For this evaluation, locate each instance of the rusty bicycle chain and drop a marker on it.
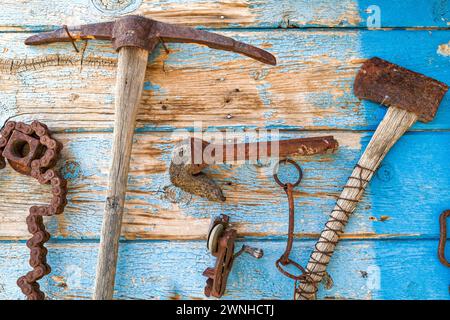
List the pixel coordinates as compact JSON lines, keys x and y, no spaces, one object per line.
{"x":38,"y":162}
{"x":309,"y":274}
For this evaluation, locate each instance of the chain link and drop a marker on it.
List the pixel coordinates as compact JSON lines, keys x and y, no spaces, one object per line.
{"x":45,"y":154}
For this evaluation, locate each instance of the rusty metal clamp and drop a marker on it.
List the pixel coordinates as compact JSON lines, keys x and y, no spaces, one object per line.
{"x":284,"y":260}
{"x":443,"y":237}
{"x":30,"y":150}
{"x":221,"y":244}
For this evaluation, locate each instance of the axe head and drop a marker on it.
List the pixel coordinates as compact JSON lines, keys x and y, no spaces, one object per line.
{"x":391,"y":85}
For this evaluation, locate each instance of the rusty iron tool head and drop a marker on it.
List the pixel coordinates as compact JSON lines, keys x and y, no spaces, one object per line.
{"x":145,"y":33}
{"x":391,"y":85}
{"x":193,"y":155}
{"x":221,"y":243}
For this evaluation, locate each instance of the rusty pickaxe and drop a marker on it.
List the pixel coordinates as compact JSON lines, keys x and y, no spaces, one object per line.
{"x":410,"y":97}
{"x":134,"y":37}
{"x":193,"y":155}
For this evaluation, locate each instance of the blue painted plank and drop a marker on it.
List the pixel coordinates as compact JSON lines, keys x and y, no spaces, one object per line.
{"x":173,"y":270}
{"x":310,"y":89}
{"x":21,"y":15}
{"x":402,"y":191}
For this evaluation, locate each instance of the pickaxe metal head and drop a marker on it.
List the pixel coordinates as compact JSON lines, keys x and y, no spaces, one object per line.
{"x":145,"y":33}
{"x":391,"y":85}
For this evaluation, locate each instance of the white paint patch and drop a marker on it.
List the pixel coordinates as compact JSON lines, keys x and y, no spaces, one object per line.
{"x":8,"y":107}
{"x":74,"y":275}
{"x":116,"y":7}
{"x":444,"y":49}
{"x":350,"y":140}
{"x":332,"y":13}
{"x":373,"y":278}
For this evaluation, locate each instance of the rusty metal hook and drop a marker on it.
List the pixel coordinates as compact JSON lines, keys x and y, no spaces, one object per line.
{"x":72,"y":40}
{"x":284,"y":260}
{"x":443,"y":237}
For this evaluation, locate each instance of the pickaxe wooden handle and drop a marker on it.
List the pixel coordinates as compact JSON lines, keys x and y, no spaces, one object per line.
{"x":134,"y":37}
{"x":411,"y":97}
{"x":129,"y":83}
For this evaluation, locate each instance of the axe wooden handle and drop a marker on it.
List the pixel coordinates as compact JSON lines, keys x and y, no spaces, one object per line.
{"x":395,"y":123}
{"x":130,"y":79}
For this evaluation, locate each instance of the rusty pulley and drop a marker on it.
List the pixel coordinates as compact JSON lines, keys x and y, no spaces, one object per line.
{"x":221,"y":243}
{"x":30,"y":150}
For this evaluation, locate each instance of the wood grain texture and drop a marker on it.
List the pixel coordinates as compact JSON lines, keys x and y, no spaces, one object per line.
{"x":129,"y":84}
{"x":40,"y":14}
{"x":156,"y":209}
{"x":311,"y":88}
{"x":173,"y":270}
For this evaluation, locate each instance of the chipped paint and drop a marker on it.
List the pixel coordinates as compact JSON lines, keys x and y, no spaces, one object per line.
{"x":444,"y":49}
{"x":146,"y":275}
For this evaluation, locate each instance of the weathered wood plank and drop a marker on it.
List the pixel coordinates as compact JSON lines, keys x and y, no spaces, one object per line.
{"x":359,"y":270}
{"x":40,"y":15}
{"x":311,"y":88}
{"x":402,"y":200}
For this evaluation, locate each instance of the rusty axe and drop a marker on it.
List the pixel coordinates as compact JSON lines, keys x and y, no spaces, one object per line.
{"x":410,"y":97}
{"x":134,"y":37}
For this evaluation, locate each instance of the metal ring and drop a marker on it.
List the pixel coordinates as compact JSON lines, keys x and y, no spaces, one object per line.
{"x":290,"y":275}
{"x":295,"y":164}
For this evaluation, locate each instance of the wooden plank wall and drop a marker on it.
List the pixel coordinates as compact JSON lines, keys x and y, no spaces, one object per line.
{"x":389,"y":251}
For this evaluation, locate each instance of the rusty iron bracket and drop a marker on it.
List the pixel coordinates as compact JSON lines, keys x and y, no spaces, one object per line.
{"x":193,"y":155}
{"x":30,"y":150}
{"x":221,"y":244}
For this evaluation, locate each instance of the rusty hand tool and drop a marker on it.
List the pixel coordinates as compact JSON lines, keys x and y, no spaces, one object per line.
{"x":134,"y":37}
{"x":31,"y":150}
{"x":193,"y":155}
{"x":220,"y":243}
{"x":443,"y":237}
{"x":410,"y":96}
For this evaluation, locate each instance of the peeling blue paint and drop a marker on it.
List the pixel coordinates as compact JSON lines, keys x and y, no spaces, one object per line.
{"x":264,"y":94}
{"x":148,"y":86}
